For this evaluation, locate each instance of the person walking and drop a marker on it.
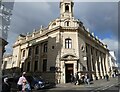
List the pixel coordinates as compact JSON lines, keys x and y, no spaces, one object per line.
{"x":82,"y":78}
{"x":71,"y":78}
{"x":107,"y":77}
{"x":6,"y":87}
{"x":26,"y":86}
{"x":76,"y":78}
{"x":20,"y":81}
{"x":87,"y":79}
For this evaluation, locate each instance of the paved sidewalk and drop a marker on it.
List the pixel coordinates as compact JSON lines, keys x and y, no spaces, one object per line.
{"x":96,"y":84}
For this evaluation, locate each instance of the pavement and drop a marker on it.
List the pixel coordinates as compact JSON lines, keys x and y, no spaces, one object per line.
{"x":100,"y":84}
{"x":94,"y":86}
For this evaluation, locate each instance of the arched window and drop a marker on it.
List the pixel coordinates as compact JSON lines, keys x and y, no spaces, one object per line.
{"x":36,"y":49}
{"x":68,"y":43}
{"x":36,"y":66}
{"x":53,"y":24}
{"x":67,"y":23}
{"x":28,"y":66}
{"x":66,"y":8}
{"x":30,"y":52}
{"x":44,"y":65}
{"x":45,"y":47}
{"x":22,"y":67}
{"x":23,"y":53}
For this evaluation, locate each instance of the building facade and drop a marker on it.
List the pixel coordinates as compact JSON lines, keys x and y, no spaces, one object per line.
{"x":5,"y":17}
{"x":113,"y":66}
{"x":7,"y":62}
{"x":5,"y":13}
{"x":64,"y":47}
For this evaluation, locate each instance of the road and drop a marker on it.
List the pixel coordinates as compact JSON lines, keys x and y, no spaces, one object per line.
{"x":96,"y":86}
{"x":112,"y":88}
{"x":100,"y":85}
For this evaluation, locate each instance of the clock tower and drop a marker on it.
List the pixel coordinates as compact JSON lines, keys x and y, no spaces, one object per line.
{"x":66,"y":8}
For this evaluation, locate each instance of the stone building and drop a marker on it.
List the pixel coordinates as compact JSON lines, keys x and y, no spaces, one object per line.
{"x":5,"y":17}
{"x":5,"y":14}
{"x":7,"y":62}
{"x":113,"y":66}
{"x":65,"y":46}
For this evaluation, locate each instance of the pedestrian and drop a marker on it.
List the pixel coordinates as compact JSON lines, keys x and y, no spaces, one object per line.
{"x":76,"y":78}
{"x":20,"y":81}
{"x":26,"y":86}
{"x":83,"y":78}
{"x":71,"y":77}
{"x":6,"y":86}
{"x":87,"y":79}
{"x":107,"y":77}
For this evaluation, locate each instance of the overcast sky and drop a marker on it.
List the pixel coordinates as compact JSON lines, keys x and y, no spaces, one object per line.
{"x":100,"y":17}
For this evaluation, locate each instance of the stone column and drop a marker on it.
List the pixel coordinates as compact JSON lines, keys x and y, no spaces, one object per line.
{"x":32,"y":58}
{"x":75,"y":67}
{"x":96,"y":66}
{"x":62,"y":72}
{"x":91,"y":64}
{"x":19,"y":56}
{"x":100,"y":64}
{"x":103,"y":66}
{"x":39,"y":60}
{"x":107,"y":63}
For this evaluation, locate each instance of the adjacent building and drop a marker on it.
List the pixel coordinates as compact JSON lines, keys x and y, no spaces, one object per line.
{"x":113,"y":66}
{"x":63,"y":48}
{"x":5,"y":13}
{"x":7,"y":62}
{"x":5,"y":17}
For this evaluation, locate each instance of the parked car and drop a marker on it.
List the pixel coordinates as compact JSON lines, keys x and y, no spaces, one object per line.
{"x":37,"y":82}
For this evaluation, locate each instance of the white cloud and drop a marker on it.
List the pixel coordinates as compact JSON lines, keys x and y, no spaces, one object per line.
{"x":112,"y":43}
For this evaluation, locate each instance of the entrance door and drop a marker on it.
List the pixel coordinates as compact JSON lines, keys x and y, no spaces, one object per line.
{"x":68,"y":71}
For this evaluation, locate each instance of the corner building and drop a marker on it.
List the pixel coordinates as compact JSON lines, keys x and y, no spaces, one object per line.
{"x":62,"y":48}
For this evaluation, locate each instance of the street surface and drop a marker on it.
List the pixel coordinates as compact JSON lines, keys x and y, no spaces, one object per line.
{"x":101,"y":85}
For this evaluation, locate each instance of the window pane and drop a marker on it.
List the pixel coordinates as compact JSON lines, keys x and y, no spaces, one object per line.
{"x":23,"y":53}
{"x":66,"y":8}
{"x":28,"y":66}
{"x":68,"y":43}
{"x":45,"y":47}
{"x":44,"y":65}
{"x":36,"y":66}
{"x":22,"y":67}
{"x":30,"y":52}
{"x":37,"y":50}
